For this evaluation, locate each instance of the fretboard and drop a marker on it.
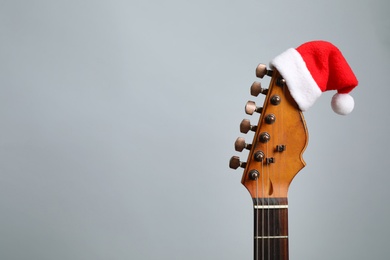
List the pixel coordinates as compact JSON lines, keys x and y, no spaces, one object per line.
{"x":270,"y":229}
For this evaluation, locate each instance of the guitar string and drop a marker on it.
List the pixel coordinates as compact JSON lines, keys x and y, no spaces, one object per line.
{"x":269,"y":185}
{"x":257,"y":220}
{"x":285,"y":219}
{"x":269,"y":234}
{"x":256,"y":209}
{"x":266,"y":229}
{"x":258,"y":202}
{"x":279,"y":173}
{"x":256,"y":231}
{"x":259,"y":236}
{"x":267,"y":196}
{"x":260,"y":214}
{"x":262,"y":211}
{"x":282,"y":217}
{"x":274,"y":229}
{"x":268,"y":209}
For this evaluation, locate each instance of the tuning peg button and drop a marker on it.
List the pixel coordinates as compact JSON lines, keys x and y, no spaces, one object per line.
{"x":256,"y":89}
{"x":251,"y":107}
{"x":235,"y":162}
{"x":240,"y":145}
{"x":245,"y":126}
{"x":262,"y":70}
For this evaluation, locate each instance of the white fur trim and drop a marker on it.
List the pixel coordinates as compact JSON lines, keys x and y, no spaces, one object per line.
{"x":342,"y":104}
{"x":301,"y":84}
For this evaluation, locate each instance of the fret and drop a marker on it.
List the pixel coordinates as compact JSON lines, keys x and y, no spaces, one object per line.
{"x":270,"y":206}
{"x":270,"y":228}
{"x":265,"y":237}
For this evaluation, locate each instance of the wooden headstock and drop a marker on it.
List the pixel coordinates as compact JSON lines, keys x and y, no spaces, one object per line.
{"x":275,"y":154}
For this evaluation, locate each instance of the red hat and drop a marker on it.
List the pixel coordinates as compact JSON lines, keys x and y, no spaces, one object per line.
{"x":315,"y":67}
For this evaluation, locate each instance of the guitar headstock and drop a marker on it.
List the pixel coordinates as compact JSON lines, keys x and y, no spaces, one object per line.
{"x":280,"y":138}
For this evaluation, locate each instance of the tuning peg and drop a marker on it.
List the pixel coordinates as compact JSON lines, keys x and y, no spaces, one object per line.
{"x":262,"y":70}
{"x":245,"y":126}
{"x":251,"y":107}
{"x":240,"y":145}
{"x":256,"y":89}
{"x":235,"y":162}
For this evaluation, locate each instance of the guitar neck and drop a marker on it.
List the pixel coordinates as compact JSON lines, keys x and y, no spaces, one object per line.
{"x":280,"y":138}
{"x":270,"y":228}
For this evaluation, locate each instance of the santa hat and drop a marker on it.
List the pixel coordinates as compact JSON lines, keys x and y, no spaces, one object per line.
{"x":315,"y":67}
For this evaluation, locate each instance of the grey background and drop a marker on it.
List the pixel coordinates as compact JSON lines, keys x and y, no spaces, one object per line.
{"x":118,"y":119}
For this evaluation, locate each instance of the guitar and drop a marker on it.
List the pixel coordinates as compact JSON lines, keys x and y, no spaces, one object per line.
{"x":281,"y":137}
{"x":275,"y":157}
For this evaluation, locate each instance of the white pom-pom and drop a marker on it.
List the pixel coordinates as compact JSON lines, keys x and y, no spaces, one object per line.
{"x":342,"y":104}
